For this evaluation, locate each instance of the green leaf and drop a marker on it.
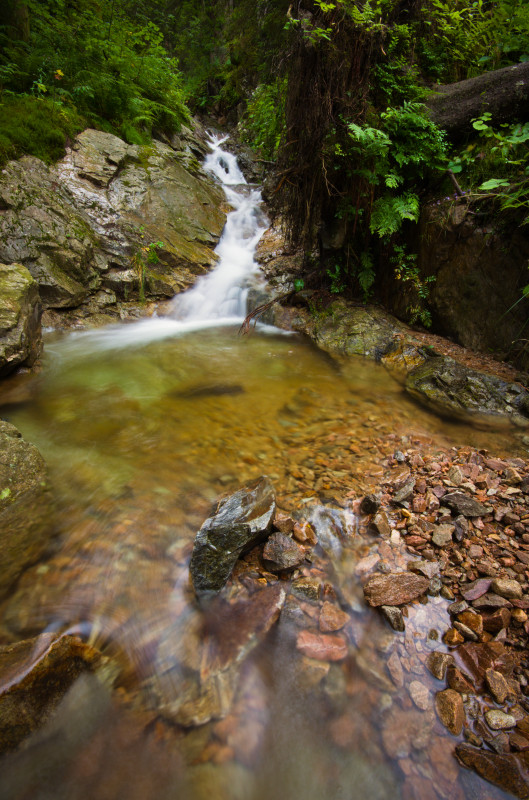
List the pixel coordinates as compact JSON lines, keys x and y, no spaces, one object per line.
{"x":494,"y":183}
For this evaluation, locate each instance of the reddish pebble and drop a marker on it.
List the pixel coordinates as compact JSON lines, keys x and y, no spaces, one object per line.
{"x":322,"y":647}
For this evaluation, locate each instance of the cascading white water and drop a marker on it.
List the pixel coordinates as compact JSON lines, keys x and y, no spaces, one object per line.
{"x":218,"y":298}
{"x":221,"y":295}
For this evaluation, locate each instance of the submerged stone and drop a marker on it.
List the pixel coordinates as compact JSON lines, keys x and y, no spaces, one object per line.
{"x":34,"y":676}
{"x":239,"y":522}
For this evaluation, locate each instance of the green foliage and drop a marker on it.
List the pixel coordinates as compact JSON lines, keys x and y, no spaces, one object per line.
{"x":407,"y":271}
{"x":35,"y":126}
{"x":263,"y":121}
{"x":100,"y":62}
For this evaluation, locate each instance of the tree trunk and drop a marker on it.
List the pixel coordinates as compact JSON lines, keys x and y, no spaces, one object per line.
{"x":504,"y":93}
{"x":14,"y":15}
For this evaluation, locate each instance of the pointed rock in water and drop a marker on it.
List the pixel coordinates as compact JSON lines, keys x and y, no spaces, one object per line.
{"x":238,"y":523}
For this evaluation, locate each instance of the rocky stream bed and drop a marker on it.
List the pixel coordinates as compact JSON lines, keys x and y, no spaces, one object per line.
{"x":349,"y":619}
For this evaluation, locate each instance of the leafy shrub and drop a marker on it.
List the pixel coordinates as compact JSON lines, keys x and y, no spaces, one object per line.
{"x":263,"y":121}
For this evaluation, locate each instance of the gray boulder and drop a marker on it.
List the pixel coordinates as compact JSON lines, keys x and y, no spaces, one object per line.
{"x":20,"y":310}
{"x":451,"y":387}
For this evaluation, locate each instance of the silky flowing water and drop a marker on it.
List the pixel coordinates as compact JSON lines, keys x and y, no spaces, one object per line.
{"x":143,"y":426}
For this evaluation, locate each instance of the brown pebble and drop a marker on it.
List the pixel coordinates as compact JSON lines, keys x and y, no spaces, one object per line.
{"x":450,"y":709}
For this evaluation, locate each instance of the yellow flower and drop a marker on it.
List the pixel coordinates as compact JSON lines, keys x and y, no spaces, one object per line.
{"x":58,"y":74}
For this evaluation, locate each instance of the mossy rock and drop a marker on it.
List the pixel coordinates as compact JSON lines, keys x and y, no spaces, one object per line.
{"x":26,"y":511}
{"x":451,"y":388}
{"x":20,"y":312}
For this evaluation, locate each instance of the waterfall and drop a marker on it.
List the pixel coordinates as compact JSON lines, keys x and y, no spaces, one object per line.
{"x":221,"y":295}
{"x":218,"y":298}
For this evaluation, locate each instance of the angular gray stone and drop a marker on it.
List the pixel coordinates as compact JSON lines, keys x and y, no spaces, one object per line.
{"x":465,"y":505}
{"x":239,"y":522}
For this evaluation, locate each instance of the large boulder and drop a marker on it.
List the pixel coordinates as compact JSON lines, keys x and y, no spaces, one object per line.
{"x":458,"y":390}
{"x":20,"y":331}
{"x":25,"y":505}
{"x":87,"y":222}
{"x":239,"y":522}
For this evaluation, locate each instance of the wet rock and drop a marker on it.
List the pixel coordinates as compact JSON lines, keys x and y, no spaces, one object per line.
{"x":380,"y":526}
{"x":476,"y":589}
{"x":395,"y":589}
{"x":322,"y":647}
{"x":238,"y":523}
{"x":427,"y":568}
{"x":479,"y":657}
{"x":499,"y":720}
{"x":395,"y":670}
{"x":472,"y":620}
{"x":405,"y":492}
{"x":370,"y":504}
{"x":466,"y":632}
{"x":231,"y":633}
{"x":442,"y":535}
{"x":490,"y":600}
{"x":332,"y":618}
{"x":505,"y":587}
{"x":34,"y":676}
{"x":463,"y":504}
{"x":282,"y":553}
{"x":406,"y":731}
{"x":20,"y":311}
{"x":450,"y":709}
{"x":452,"y":387}
{"x":497,"y":621}
{"x":508,"y":771}
{"x":497,"y":685}
{"x":25,"y":505}
{"x":307,"y":587}
{"x":437,"y":662}
{"x":458,"y":680}
{"x":394,"y":616}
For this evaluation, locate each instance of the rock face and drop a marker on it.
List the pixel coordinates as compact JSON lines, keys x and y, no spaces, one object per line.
{"x":77,"y":225}
{"x":449,"y":386}
{"x":20,"y":333}
{"x":25,"y":505}
{"x":476,"y":268}
{"x":238,"y":523}
{"x":34,"y":676}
